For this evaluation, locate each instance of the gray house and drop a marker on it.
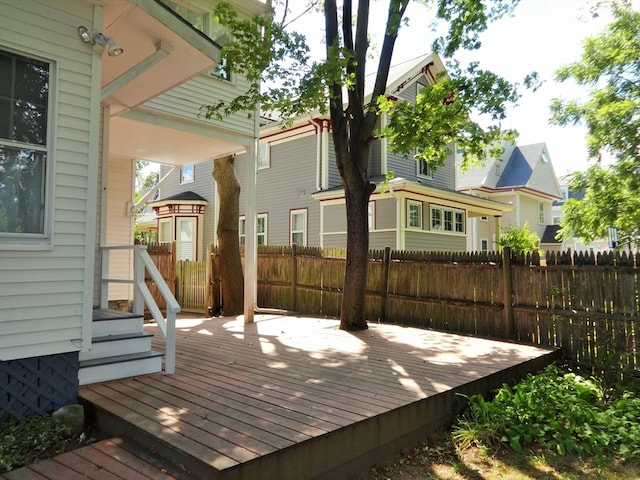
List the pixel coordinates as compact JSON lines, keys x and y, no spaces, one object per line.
{"x":523,"y":178}
{"x":299,"y":190}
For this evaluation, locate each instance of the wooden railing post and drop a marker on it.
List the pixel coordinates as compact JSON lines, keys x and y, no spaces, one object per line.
{"x":386,"y":260}
{"x":507,"y":276}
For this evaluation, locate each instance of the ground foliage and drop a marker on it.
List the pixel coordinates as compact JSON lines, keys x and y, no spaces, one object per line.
{"x":26,"y":440}
{"x":558,"y":423}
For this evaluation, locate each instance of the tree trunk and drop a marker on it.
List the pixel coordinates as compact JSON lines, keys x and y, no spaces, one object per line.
{"x":228,"y":238}
{"x":352,"y":316}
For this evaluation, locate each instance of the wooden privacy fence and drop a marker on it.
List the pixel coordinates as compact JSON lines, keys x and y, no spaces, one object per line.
{"x":164,"y":257}
{"x":588,"y":305}
{"x":191,"y":285}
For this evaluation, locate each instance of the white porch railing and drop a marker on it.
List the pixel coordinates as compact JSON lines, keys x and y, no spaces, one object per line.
{"x":141,"y":296}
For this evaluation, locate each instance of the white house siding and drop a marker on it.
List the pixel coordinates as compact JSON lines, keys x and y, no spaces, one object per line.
{"x":120,"y":224}
{"x":184,"y":102}
{"x":44,"y":293}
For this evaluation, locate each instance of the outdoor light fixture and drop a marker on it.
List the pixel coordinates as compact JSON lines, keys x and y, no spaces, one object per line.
{"x":100,"y":40}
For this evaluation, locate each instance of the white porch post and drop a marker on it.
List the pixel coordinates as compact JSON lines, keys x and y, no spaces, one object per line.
{"x":250,"y":244}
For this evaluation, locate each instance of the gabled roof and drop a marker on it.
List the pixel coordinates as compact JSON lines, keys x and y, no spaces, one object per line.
{"x":523,"y":167}
{"x":188,"y":197}
{"x":549,"y":235}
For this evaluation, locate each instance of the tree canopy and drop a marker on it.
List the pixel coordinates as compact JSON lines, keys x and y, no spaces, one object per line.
{"x":283,"y":78}
{"x":610,"y":68}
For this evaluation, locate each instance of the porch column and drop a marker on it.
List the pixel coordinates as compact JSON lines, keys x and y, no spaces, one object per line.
{"x":250,"y":245}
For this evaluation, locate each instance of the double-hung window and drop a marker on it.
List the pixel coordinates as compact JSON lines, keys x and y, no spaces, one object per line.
{"x":414,"y":214}
{"x":447,"y":219}
{"x":261,"y":229}
{"x":24,"y":147}
{"x":299,"y":227}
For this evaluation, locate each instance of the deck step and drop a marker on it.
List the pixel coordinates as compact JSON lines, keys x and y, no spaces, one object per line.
{"x":119,"y":366}
{"x":120,"y":344}
{"x":116,"y":324}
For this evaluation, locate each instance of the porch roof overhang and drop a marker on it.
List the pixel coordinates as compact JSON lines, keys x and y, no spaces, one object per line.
{"x":475,"y":206}
{"x":161,"y":51}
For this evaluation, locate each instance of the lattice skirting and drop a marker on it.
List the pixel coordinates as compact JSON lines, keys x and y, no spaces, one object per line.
{"x":38,"y":385}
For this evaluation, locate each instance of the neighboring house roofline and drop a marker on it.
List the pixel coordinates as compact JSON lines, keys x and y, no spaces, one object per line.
{"x":513,"y":189}
{"x":183,"y":197}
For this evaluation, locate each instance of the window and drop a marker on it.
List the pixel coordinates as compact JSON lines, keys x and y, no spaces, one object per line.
{"x":447,"y":219}
{"x":241,"y":229}
{"x":484,"y":219}
{"x":541,"y":213}
{"x":164,"y":232}
{"x":187,"y":174}
{"x":484,"y":245}
{"x":299,"y":227}
{"x":565,"y":192}
{"x":187,"y":240}
{"x":264,"y":160}
{"x":545,"y":157}
{"x":414,"y":214}
{"x":261,"y":229}
{"x":371,"y":215}
{"x":221,"y":70}
{"x":189,"y":13}
{"x":423,"y":170}
{"x":24,"y":146}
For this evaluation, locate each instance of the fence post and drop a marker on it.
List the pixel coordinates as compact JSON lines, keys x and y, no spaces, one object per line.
{"x":294,"y":277}
{"x":507,"y":276}
{"x":386,"y":260}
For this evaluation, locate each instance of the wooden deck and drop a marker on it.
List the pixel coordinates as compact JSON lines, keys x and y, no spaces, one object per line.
{"x":297,"y":398}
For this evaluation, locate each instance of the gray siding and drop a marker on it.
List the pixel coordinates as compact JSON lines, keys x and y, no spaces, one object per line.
{"x":435,"y":242}
{"x":385,"y":210}
{"x":404,"y":166}
{"x":44,"y":293}
{"x":204,"y":185}
{"x":334,"y":176}
{"x":380,"y":240}
{"x":335,"y":218}
{"x":287,"y":185}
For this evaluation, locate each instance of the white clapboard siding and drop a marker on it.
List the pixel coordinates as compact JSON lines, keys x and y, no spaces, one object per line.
{"x":42,"y":297}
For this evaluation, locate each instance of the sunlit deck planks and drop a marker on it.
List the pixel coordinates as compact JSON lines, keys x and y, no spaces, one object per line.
{"x":295,"y":398}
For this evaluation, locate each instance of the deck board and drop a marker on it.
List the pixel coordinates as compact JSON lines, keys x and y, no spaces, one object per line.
{"x":287,"y":398}
{"x":295,"y":398}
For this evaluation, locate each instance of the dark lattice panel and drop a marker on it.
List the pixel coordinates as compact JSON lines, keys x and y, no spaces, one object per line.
{"x":38,"y":385}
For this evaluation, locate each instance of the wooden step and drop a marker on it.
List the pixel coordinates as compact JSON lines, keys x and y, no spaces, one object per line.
{"x":119,"y":366}
{"x":116,"y":323}
{"x":121,"y":344}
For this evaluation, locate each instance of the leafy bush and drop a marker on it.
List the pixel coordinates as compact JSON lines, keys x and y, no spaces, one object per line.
{"x":562,"y":411}
{"x":520,"y":239}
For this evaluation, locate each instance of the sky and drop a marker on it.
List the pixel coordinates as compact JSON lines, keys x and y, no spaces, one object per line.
{"x":542,"y":36}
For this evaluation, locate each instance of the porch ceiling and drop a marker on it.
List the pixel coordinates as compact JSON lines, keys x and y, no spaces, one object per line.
{"x":155,"y":143}
{"x":160,"y":52}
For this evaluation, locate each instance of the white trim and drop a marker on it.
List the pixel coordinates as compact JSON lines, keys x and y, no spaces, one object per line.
{"x":414,"y":203}
{"x":305,"y":228}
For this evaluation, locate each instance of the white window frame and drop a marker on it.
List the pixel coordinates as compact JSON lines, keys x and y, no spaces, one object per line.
{"x":194,"y":236}
{"x":187,"y":174}
{"x":242,"y":225}
{"x":422,"y":165}
{"x":484,"y":245}
{"x":265,"y":228}
{"x":371,"y":215}
{"x":264,"y":156}
{"x":541,"y":215}
{"x":303,"y":231}
{"x":410,"y":217}
{"x":42,"y":240}
{"x":165,"y":236}
{"x":447,"y":220}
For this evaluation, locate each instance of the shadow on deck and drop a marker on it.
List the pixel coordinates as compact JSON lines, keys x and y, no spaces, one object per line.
{"x":289,"y":398}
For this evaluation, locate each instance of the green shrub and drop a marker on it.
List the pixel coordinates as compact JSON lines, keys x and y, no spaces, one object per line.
{"x":25,"y":440}
{"x":562,"y":411}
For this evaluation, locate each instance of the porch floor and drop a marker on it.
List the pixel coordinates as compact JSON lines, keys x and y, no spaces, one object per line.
{"x":297,"y":398}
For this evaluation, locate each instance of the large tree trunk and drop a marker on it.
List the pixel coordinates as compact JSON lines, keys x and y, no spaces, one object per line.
{"x":228,"y":238}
